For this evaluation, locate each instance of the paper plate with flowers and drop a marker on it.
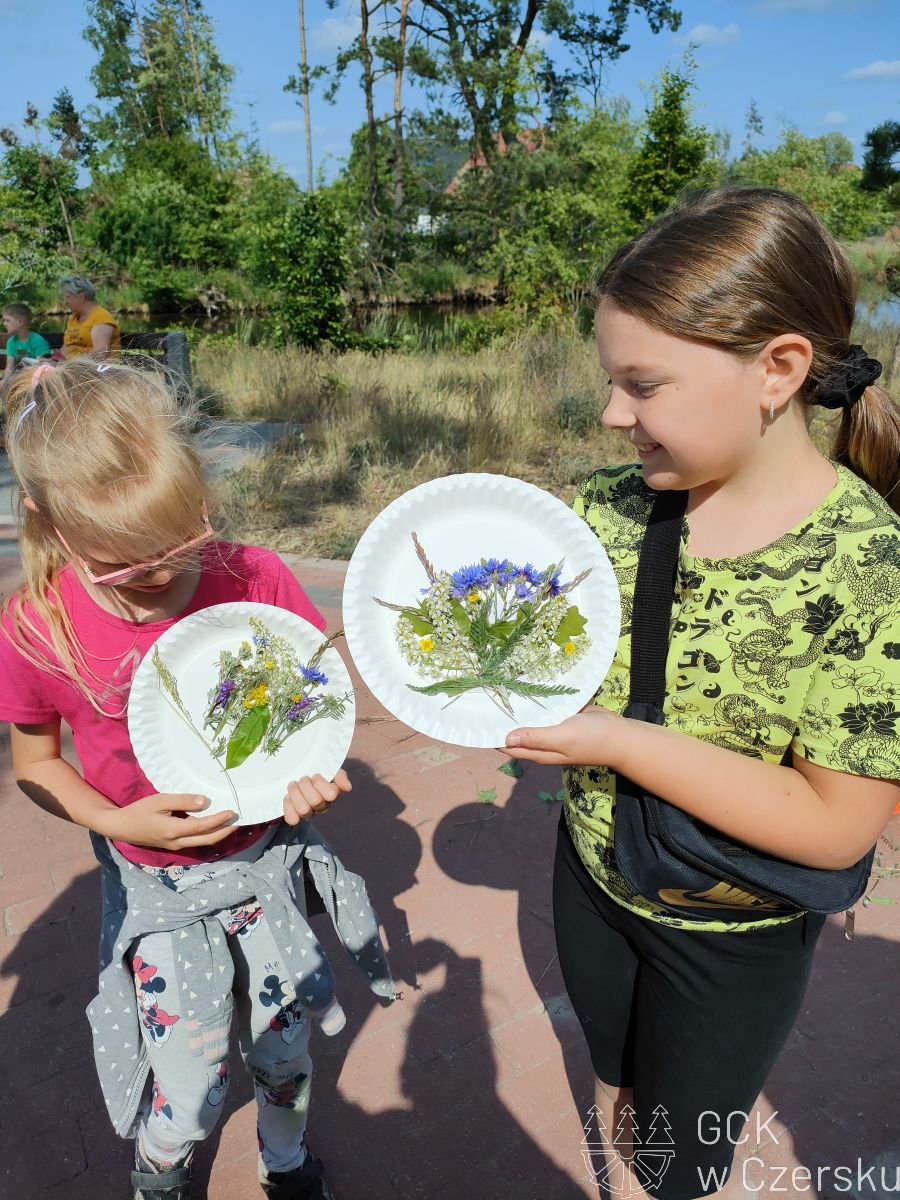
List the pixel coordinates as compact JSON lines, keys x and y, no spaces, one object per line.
{"x":235,"y":701}
{"x":477,"y":603}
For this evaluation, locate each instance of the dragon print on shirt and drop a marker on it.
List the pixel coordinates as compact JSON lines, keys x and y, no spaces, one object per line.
{"x":791,"y":649}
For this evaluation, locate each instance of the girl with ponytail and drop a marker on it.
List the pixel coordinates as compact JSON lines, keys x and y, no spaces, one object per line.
{"x":721,"y":328}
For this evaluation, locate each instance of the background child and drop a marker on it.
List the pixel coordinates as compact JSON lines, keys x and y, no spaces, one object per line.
{"x":116,"y":546}
{"x":719,"y":327}
{"x":23,"y":342}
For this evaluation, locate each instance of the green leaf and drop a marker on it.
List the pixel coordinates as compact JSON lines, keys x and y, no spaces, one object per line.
{"x":420,"y":624}
{"x":460,"y":616}
{"x":248,"y":733}
{"x":572,"y":625}
{"x":487,"y":795}
{"x":513,"y":769}
{"x":501,"y":630}
{"x":882,"y":900}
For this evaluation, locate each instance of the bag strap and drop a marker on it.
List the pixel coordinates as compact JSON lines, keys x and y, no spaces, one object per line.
{"x":654,"y":588}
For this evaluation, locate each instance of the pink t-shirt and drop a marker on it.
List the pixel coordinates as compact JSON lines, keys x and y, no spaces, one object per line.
{"x":114,"y":647}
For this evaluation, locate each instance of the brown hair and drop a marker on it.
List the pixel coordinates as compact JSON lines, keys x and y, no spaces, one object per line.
{"x":17,"y":309}
{"x":736,"y":266}
{"x":106,"y":452}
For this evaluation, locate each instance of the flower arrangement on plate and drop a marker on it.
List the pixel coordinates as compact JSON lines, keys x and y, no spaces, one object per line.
{"x":495,"y":625}
{"x":262,"y":696}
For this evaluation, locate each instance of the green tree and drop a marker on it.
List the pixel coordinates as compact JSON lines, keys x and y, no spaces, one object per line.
{"x":42,"y":176}
{"x":564,"y":210}
{"x":478,"y":49}
{"x":596,"y":39}
{"x":753,"y":127}
{"x":303,"y":258}
{"x":675,"y":152}
{"x":818,"y":170}
{"x":159,"y":73}
{"x":881,"y":164}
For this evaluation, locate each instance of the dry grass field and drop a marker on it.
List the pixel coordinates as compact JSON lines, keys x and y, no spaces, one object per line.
{"x":376,"y":425}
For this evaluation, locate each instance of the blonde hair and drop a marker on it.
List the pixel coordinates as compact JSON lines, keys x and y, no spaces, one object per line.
{"x":106,"y":453}
{"x":736,"y":266}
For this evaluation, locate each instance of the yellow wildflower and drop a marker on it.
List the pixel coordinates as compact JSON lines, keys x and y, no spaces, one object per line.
{"x":269,"y":664}
{"x":257,"y":695}
{"x":569,"y":647}
{"x":426,"y":644}
{"x":296,"y":699}
{"x":473,"y":597}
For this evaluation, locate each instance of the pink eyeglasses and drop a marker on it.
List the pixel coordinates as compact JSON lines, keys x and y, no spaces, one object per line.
{"x":111,"y":578}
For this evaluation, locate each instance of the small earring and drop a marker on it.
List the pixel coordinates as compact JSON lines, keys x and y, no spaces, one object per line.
{"x":771,"y":410}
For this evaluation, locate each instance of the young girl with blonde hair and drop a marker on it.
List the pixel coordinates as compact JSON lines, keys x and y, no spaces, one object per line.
{"x":721,"y":327}
{"x":117,"y":545}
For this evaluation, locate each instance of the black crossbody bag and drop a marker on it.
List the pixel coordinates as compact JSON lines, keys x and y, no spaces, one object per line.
{"x":680,"y":863}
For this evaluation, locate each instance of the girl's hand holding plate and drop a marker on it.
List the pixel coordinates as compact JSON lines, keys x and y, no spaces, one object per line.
{"x":158,"y":821}
{"x":584,"y":740}
{"x":312,"y":794}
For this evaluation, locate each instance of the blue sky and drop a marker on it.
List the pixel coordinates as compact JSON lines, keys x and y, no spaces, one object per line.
{"x":821,"y":65}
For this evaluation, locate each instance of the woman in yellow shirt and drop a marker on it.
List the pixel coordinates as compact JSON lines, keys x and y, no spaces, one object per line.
{"x":91,"y":329}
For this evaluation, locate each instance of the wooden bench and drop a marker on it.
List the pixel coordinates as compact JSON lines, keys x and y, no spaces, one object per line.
{"x":170,"y":349}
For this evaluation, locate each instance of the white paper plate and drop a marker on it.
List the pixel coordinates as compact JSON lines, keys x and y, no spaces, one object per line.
{"x":175,"y":760}
{"x":460,"y":519}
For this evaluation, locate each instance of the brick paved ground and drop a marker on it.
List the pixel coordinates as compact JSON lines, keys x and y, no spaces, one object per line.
{"x":476,"y":1085}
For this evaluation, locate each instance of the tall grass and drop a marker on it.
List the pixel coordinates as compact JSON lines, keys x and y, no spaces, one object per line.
{"x":375,"y":426}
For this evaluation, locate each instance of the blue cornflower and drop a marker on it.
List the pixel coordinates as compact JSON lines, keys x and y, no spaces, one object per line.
{"x":259,"y":639}
{"x":311,"y":674}
{"x":554,"y":585}
{"x":523,"y":591}
{"x":494,"y":565}
{"x":467,"y":579}
{"x":531,"y":574}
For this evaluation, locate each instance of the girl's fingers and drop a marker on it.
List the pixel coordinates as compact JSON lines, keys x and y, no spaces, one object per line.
{"x":342,"y":781}
{"x":548,"y":758}
{"x":185,"y":803}
{"x":208,"y":839}
{"x":310,"y":795}
{"x":203,"y":825}
{"x":300,"y":801}
{"x":533,"y":739}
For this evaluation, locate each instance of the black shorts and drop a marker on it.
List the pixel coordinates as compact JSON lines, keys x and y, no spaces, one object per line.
{"x":693,"y":1021}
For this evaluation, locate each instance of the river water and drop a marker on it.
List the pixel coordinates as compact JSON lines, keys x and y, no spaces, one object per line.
{"x":427,"y":326}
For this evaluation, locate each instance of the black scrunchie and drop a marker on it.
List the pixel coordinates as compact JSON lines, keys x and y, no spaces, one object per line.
{"x":843,"y":386}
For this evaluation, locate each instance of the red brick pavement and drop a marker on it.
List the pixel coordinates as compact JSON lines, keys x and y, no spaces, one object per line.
{"x":476,"y":1084}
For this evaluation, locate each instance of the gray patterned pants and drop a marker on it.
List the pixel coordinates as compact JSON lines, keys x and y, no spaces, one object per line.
{"x":188,"y":1091}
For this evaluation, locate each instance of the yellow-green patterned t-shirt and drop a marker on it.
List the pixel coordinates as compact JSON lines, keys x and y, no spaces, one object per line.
{"x":794,"y":645}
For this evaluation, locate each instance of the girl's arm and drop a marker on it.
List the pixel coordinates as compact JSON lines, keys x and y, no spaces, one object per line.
{"x":56,"y":787}
{"x":805,"y":813}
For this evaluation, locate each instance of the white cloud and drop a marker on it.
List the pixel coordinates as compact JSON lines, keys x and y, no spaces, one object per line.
{"x":711,"y":35}
{"x":882,"y":69}
{"x":335,"y":32}
{"x":291,"y":126}
{"x":835,"y":117}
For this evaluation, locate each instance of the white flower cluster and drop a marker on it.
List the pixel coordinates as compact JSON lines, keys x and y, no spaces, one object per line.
{"x":446,"y":651}
{"x":537,"y":657}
